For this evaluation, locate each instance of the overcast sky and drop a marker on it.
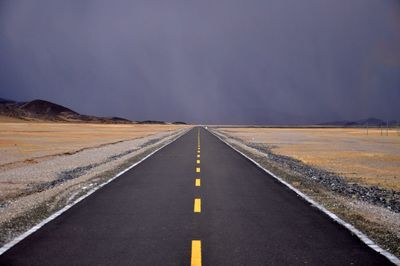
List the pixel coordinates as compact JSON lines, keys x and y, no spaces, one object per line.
{"x":210,"y":61}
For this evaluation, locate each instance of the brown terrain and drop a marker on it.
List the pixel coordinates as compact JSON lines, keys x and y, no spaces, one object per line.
{"x":51,"y":155}
{"x":44,"y":166}
{"x":352,"y":174}
{"x":368,"y":159}
{"x":29,"y":142}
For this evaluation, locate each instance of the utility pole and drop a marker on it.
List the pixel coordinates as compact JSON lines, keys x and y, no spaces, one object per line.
{"x":367,"y":128}
{"x":380,"y":125}
{"x":387,"y":127}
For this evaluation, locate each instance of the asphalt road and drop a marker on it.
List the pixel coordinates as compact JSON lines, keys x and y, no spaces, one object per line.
{"x":149,"y":216}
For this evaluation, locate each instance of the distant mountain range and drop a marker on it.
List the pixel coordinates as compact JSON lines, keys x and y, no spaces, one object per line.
{"x":40,"y":110}
{"x":371,"y":122}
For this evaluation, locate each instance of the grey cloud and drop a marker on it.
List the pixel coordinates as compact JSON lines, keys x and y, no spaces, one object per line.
{"x":206,"y":61}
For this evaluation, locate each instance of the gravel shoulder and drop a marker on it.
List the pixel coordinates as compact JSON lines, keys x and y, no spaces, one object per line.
{"x":371,"y":209}
{"x":32,"y":192}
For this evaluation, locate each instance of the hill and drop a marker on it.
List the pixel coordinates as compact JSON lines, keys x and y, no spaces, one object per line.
{"x":371,"y":122}
{"x":41,"y":110}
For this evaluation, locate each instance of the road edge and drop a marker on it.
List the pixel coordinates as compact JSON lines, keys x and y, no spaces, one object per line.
{"x":36,"y":227}
{"x":364,"y":238}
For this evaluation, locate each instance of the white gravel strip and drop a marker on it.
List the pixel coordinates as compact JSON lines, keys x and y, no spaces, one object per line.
{"x":42,"y":175}
{"x":48,"y":170}
{"x":16,"y":240}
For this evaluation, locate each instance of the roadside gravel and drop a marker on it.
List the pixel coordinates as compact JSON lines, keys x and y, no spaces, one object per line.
{"x":30,"y":193}
{"x":373,"y":210}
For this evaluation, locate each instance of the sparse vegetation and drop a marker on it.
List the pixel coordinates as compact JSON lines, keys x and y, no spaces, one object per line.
{"x":275,"y":149}
{"x":46,"y":165}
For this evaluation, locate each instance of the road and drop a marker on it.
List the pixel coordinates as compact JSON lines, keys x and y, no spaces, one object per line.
{"x":196,"y":202}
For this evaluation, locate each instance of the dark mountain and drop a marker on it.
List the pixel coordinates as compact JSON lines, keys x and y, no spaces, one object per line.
{"x":119,"y":120}
{"x":152,"y":122}
{"x":45,"y":108}
{"x":371,"y":122}
{"x":6,"y":101}
{"x":40,"y":110}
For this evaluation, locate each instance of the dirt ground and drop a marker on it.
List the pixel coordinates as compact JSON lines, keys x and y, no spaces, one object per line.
{"x":26,"y":142}
{"x":364,"y":159}
{"x":45,"y":166}
{"x":372,"y":159}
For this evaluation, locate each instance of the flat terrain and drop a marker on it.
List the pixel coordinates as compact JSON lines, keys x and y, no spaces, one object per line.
{"x":366,"y":159}
{"x":149,"y":216}
{"x":26,"y":141}
{"x":44,"y":166}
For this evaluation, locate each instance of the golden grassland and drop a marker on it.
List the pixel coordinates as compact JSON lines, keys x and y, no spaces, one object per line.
{"x":22,"y":141}
{"x":367,"y":159}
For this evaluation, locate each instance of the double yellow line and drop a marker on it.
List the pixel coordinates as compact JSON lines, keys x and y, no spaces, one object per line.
{"x":196,"y":244}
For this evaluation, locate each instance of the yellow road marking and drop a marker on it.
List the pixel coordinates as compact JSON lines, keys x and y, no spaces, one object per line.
{"x":196,"y":253}
{"x":197,"y":205}
{"x":198,"y":161}
{"x":198,"y":182}
{"x":197,"y":169}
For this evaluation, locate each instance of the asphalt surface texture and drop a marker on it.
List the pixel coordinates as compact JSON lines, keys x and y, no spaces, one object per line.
{"x":147,"y":216}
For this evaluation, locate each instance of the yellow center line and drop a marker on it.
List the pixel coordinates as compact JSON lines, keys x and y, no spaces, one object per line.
{"x":197,"y":205}
{"x":196,"y":244}
{"x":196,"y":253}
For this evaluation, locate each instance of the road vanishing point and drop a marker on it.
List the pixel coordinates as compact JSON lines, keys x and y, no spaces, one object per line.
{"x":194,"y":202}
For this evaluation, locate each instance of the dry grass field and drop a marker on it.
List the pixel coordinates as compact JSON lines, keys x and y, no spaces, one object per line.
{"x":367,"y":159}
{"x":44,"y":166}
{"x":26,"y":142}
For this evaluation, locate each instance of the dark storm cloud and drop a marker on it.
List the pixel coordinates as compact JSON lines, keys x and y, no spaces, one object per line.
{"x":206,"y":61}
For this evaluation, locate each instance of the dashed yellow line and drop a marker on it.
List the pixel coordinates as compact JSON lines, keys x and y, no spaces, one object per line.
{"x":196,"y":253}
{"x":196,"y":244}
{"x":197,"y":205}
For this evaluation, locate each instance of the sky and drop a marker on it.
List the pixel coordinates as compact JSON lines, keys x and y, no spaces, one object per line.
{"x":210,"y":61}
